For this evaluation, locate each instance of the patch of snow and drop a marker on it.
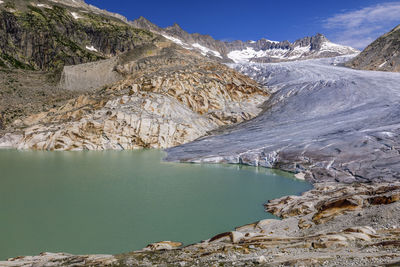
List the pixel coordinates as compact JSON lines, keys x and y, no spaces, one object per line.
{"x":205,"y":50}
{"x":243,"y":56}
{"x":274,"y":42}
{"x":75,"y":15}
{"x":332,"y":47}
{"x":44,"y":5}
{"x":299,"y":52}
{"x":383,"y":64}
{"x":91,"y":48}
{"x":177,"y":41}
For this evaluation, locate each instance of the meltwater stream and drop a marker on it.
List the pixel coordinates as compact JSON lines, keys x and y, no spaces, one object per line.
{"x":114,"y":202}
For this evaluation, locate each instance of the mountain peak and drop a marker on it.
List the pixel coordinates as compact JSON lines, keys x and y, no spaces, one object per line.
{"x":175,"y":27}
{"x":143,"y":23}
{"x":321,"y":37}
{"x":143,"y":19}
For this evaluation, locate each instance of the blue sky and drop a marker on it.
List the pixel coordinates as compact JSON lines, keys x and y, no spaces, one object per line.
{"x":349,"y":22}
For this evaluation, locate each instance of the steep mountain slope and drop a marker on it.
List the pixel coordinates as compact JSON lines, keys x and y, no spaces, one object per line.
{"x":383,"y":54}
{"x":48,"y":34}
{"x":39,"y":37}
{"x":326,"y":122}
{"x":262,"y":50}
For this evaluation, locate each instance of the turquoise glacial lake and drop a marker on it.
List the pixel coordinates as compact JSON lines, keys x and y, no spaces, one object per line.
{"x":115,"y":202}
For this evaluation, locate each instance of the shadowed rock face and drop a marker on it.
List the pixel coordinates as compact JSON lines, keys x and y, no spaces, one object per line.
{"x":46,"y":35}
{"x":328,"y":122}
{"x":383,"y":54}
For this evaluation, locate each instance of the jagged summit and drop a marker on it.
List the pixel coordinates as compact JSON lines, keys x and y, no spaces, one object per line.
{"x":143,"y":23}
{"x":175,"y":27}
{"x":262,"y":50}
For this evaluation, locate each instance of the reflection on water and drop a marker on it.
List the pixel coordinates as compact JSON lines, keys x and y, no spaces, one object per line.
{"x":114,"y":202}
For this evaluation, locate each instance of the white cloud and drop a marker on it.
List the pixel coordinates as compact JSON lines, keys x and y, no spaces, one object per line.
{"x":359,"y":28}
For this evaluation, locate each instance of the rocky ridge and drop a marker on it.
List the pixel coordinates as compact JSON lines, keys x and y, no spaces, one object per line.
{"x":263,"y":50}
{"x":383,"y":54}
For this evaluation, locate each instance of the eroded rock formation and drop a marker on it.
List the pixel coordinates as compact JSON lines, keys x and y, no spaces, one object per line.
{"x":166,"y":99}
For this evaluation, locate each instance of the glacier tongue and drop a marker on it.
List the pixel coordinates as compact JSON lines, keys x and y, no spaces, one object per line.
{"x":329,"y":122}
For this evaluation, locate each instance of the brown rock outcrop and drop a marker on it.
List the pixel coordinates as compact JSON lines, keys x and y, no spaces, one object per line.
{"x":326,"y":201}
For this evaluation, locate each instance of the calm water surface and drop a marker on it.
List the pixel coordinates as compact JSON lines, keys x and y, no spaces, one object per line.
{"x":114,"y":202}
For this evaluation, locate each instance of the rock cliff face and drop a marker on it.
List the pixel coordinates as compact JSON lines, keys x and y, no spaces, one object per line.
{"x":169,"y":96}
{"x":263,"y":50}
{"x":383,"y":54}
{"x":46,"y":35}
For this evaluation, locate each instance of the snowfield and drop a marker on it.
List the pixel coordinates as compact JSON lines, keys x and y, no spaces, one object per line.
{"x":323,"y":120}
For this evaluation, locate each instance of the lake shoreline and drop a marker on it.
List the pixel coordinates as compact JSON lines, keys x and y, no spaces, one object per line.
{"x":332,"y":224}
{"x":302,"y":238}
{"x":125,"y":200}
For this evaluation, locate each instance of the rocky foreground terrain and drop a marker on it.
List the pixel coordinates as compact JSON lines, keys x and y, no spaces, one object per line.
{"x":383,"y":54}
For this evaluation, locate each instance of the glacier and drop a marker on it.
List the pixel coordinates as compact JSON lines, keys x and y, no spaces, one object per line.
{"x":323,"y":121}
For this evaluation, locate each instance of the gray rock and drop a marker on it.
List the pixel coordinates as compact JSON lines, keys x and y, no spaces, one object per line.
{"x":382,"y":54}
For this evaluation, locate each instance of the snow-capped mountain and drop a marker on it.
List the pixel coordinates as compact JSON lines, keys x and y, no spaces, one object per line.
{"x":263,"y":50}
